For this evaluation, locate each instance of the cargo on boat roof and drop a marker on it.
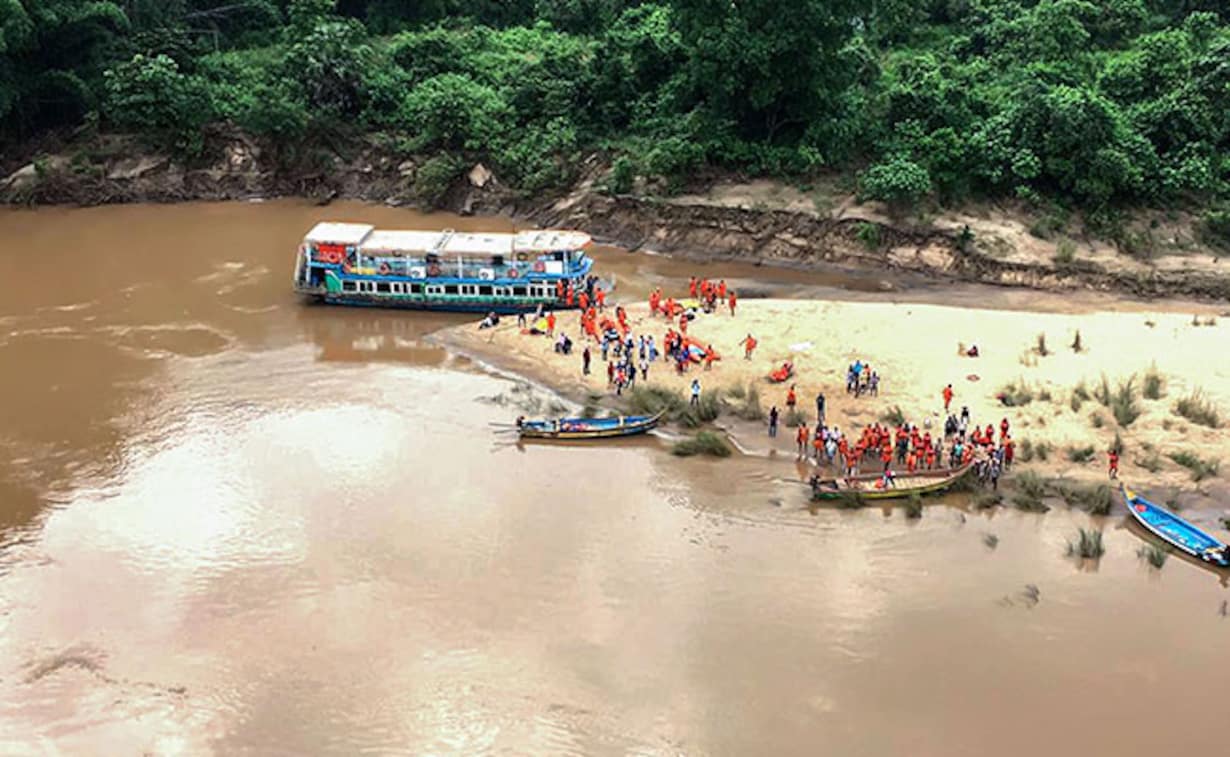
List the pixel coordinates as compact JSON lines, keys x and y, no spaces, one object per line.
{"x":372,"y":241}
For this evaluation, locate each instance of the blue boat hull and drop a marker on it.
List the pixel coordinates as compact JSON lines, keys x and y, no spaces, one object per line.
{"x":1175,"y":531}
{"x":589,"y":428}
{"x":451,"y":306}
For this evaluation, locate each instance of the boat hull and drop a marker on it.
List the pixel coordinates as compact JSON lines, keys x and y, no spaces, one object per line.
{"x":943,"y":480}
{"x":1175,"y":531}
{"x":584,"y":429}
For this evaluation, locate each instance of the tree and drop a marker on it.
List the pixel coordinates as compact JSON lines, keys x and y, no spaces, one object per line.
{"x":768,"y":66}
{"x":897,"y":181}
{"x":152,"y":96}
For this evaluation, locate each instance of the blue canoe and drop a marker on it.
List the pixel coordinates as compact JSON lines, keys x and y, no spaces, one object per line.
{"x":1174,"y":530}
{"x":588,"y":428}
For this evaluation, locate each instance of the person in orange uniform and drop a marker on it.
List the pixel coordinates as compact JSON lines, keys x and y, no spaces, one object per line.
{"x":792,"y":399}
{"x":692,"y":286}
{"x":732,"y":301}
{"x":551,"y":323}
{"x":600,"y":298}
{"x":749,"y":344}
{"x":947,"y":397}
{"x":710,"y":356}
{"x":683,"y":323}
{"x":721,"y":289}
{"x":1113,"y":459}
{"x":1003,"y":429}
{"x":800,"y":438}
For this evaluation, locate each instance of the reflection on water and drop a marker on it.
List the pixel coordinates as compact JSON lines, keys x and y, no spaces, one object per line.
{"x":236,"y":524}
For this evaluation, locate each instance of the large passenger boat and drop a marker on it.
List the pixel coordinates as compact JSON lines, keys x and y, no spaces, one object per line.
{"x":356,"y":264}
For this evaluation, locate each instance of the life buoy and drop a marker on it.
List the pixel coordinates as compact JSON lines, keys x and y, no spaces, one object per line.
{"x":513,"y":273}
{"x":334,"y":257}
{"x":433,"y":270}
{"x":539,"y":266}
{"x":384,"y":269}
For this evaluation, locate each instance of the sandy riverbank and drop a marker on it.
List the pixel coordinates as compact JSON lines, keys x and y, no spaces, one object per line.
{"x":914,"y":348}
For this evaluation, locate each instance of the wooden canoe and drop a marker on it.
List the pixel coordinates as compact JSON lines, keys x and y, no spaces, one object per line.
{"x":1175,"y":531}
{"x":589,"y":428}
{"x":919,"y":482}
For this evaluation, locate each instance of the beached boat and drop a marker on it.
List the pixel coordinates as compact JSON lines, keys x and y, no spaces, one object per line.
{"x":870,"y":487}
{"x":355,"y":264}
{"x":1175,"y":531}
{"x":588,"y":428}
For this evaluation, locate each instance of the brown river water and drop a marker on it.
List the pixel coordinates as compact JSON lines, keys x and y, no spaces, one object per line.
{"x":233,"y":523}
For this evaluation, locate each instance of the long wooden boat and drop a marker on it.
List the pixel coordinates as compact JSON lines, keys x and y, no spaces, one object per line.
{"x":869,"y":486}
{"x":588,"y":428}
{"x":1175,"y":531}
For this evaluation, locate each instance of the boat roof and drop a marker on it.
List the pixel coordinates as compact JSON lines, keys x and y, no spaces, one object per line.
{"x":447,"y":242}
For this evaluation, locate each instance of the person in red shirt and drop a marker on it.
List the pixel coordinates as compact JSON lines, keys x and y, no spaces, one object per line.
{"x":732,"y":302}
{"x":1003,"y":428}
{"x":749,"y":344}
{"x":600,"y":298}
{"x":551,"y":323}
{"x":692,"y":286}
{"x":583,"y":301}
{"x":1113,"y":458}
{"x":721,"y":289}
{"x":947,"y":397}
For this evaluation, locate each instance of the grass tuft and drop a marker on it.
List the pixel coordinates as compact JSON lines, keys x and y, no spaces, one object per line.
{"x":1123,"y":403}
{"x":1200,"y":468}
{"x":794,"y":418}
{"x":1040,"y":345}
{"x":1095,"y":500}
{"x":1016,"y":394}
{"x":1080,"y":455}
{"x":1154,"y":554}
{"x":1102,"y":393}
{"x":1153,"y":384}
{"x":1198,"y":408}
{"x":749,"y":409}
{"x":1077,"y":345}
{"x":1151,"y":462}
{"x":704,"y":443}
{"x":1030,"y":489}
{"x":987,"y":500}
{"x":893,"y":416}
{"x":991,"y":540}
{"x":914,"y":506}
{"x":1088,"y":544}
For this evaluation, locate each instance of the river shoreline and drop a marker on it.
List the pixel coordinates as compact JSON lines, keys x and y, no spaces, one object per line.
{"x":914,"y":348}
{"x":730,"y":222}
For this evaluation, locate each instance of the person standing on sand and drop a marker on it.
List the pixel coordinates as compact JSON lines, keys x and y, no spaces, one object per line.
{"x":610,"y":373}
{"x":800,"y":438}
{"x":820,"y":408}
{"x":709,"y":357}
{"x":791,"y":398}
{"x":773,"y":421}
{"x":585,"y":357}
{"x":644,"y":370}
{"x":947,"y":397}
{"x":749,"y":344}
{"x":692,"y":287}
{"x":695,"y":392}
{"x":732,"y":301}
{"x":1113,"y":458}
{"x":551,"y":323}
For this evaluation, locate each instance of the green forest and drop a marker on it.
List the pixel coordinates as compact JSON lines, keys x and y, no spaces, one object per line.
{"x":1097,"y":105}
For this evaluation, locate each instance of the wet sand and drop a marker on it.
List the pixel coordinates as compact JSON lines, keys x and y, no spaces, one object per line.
{"x":231,"y":523}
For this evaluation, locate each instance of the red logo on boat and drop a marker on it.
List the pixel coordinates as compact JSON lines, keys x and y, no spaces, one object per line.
{"x":1141,"y":508}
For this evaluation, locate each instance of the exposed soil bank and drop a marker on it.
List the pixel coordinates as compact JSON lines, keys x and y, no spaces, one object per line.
{"x":707,"y":226}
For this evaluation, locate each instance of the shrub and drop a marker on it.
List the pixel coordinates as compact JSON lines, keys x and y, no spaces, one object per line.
{"x":1065,"y":253}
{"x":1030,"y":490}
{"x":706,"y":411}
{"x":869,"y":234}
{"x":1200,"y":468}
{"x":987,"y":500}
{"x":1096,"y":419}
{"x":750,"y":409}
{"x":1080,"y":455}
{"x":1025,"y":452}
{"x":1042,"y":450}
{"x":704,"y":443}
{"x":1215,"y":228}
{"x":914,"y":506}
{"x":897,"y":181}
{"x":1198,"y":408}
{"x":1016,"y":394}
{"x":150,"y":94}
{"x":622,"y":176}
{"x":1154,"y":554}
{"x":1040,"y":345}
{"x":1088,"y":544}
{"x":893,"y":416}
{"x":1153,"y":384}
{"x":1102,"y":392}
{"x":434,"y":178}
{"x":1151,"y":462}
{"x":794,"y":418}
{"x":1123,"y":404}
{"x":1095,"y":500}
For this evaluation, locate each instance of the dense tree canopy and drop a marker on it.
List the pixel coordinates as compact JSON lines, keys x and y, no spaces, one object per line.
{"x":1100,"y":103}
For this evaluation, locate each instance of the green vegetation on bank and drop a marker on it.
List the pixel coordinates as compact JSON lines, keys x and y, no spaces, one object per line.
{"x":1061,"y":103}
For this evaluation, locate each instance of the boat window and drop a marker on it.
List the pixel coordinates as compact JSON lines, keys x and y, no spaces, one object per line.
{"x":450,"y":289}
{"x":347,"y":286}
{"x":519,"y":291}
{"x":435,"y":289}
{"x":383,"y":287}
{"x":485,"y":290}
{"x":469,"y":290}
{"x":416,"y":289}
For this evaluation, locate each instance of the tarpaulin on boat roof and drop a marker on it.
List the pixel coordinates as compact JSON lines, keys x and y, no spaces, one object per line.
{"x":471,"y":243}
{"x":339,"y":233}
{"x":550,"y":240}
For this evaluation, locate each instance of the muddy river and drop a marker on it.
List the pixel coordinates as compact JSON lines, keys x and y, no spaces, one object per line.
{"x":231,"y":523}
